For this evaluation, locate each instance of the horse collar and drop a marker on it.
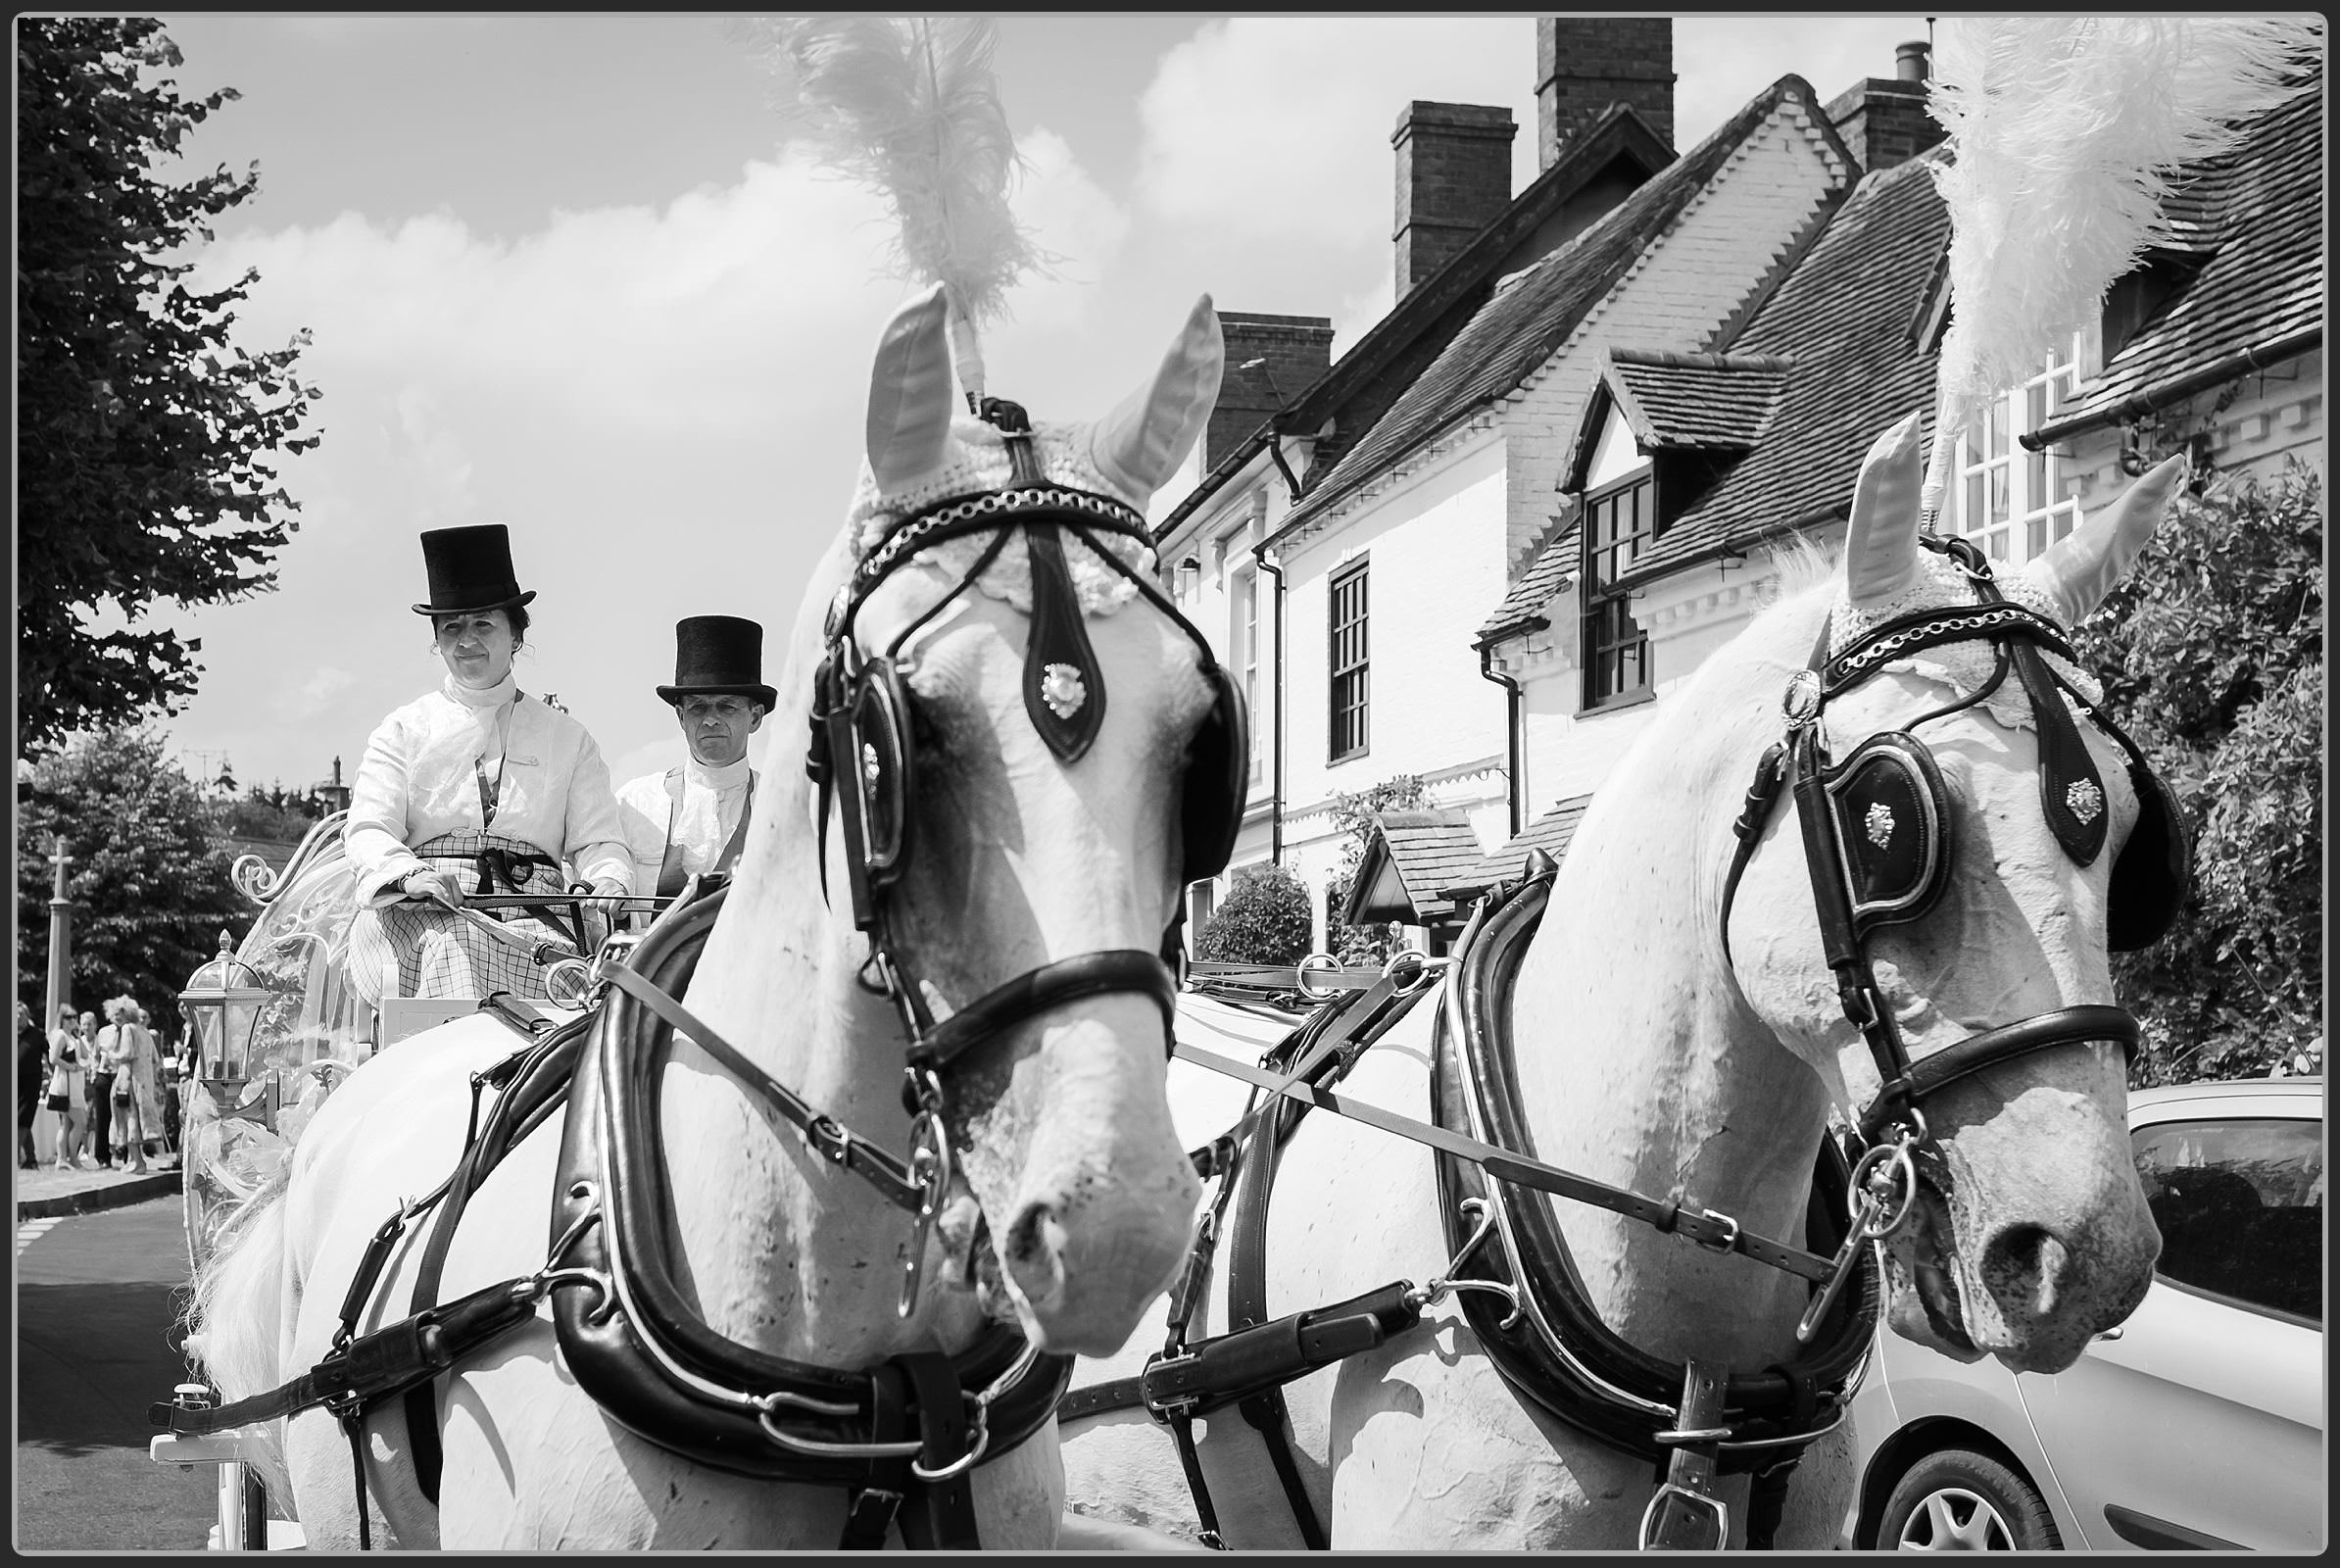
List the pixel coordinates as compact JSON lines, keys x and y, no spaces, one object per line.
{"x":912,"y":1426}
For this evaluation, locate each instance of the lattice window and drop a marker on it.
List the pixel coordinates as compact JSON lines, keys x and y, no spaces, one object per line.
{"x":1350,"y":664}
{"x":1247,"y":654}
{"x":1620,"y":522}
{"x":2008,"y":499}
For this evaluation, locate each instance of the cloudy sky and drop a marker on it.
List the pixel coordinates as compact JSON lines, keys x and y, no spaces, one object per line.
{"x":567,"y":274}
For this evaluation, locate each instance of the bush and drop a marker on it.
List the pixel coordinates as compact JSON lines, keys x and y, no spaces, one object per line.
{"x":1263,"y":921}
{"x":2211,"y":653}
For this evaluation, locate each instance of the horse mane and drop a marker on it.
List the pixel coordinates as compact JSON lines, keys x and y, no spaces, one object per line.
{"x":1707,"y":735}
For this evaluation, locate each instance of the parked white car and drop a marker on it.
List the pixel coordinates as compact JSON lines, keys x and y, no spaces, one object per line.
{"x":2195,"y":1425}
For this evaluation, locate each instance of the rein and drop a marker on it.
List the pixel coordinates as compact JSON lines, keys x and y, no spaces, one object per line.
{"x":1695,"y":1419}
{"x":906,"y":1431}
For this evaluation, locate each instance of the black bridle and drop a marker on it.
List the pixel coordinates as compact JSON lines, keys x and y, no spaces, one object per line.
{"x":1854,"y":890}
{"x":861,"y":754}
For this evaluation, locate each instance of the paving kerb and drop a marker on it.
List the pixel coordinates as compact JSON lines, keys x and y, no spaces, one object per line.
{"x":100,"y":1195}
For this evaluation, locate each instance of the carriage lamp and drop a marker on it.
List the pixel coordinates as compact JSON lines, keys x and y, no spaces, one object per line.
{"x":223,"y":1003}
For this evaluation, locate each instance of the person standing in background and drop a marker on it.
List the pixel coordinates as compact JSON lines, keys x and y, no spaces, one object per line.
{"x":127,"y":1053}
{"x":104,"y":1048}
{"x":67,"y":1075}
{"x":32,"y":1077}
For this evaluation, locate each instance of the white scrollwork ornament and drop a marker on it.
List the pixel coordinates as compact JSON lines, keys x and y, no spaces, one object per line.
{"x":1062,"y":689}
{"x":2085,"y":800}
{"x":1879,"y":823}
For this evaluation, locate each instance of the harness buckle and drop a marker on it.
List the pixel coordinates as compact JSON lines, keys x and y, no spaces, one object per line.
{"x":1724,"y":1243}
{"x":1679,"y":1519}
{"x":829,"y":1140}
{"x":978,"y":1442}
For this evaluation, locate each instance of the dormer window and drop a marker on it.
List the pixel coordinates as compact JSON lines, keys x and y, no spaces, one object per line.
{"x":1619,"y":519}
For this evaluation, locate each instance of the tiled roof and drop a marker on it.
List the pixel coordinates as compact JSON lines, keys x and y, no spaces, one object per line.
{"x":1426,"y":850}
{"x":1550,"y":833}
{"x":1532,"y":314}
{"x":1618,"y":136}
{"x":1848,"y":317}
{"x":1700,"y":401}
{"x":1549,"y":574}
{"x":2263,"y":205}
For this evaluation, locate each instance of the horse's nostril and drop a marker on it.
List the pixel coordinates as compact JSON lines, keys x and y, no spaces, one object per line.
{"x":1035,"y":1254}
{"x":2027,"y":1262}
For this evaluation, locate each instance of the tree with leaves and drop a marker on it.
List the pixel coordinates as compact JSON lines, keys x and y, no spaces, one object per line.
{"x":146,"y":444}
{"x":148,"y":879}
{"x":2211,"y":653}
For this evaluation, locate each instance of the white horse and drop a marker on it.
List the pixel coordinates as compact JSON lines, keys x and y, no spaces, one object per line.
{"x":1657,"y":1054}
{"x":1015,"y":859}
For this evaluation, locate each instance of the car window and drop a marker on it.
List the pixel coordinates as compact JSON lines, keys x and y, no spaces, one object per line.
{"x":2239,"y":1202}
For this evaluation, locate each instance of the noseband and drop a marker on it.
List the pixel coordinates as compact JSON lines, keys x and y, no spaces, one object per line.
{"x":1877,"y":831}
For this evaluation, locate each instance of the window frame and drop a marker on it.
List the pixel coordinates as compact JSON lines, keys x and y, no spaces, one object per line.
{"x":1245,"y":635}
{"x":2021,"y":493}
{"x":1361,"y":671}
{"x":1596,"y":604}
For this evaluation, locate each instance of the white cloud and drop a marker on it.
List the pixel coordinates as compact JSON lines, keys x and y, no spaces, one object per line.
{"x":1277,"y":128}
{"x":314,"y":695}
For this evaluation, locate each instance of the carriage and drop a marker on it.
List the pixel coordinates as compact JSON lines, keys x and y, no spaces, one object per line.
{"x":276,"y":1025}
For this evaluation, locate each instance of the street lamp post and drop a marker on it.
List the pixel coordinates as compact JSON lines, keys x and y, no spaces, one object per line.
{"x":61,"y":933}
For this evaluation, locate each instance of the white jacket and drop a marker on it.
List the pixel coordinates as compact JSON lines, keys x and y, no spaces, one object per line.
{"x":702,"y":823}
{"x":417,"y":781}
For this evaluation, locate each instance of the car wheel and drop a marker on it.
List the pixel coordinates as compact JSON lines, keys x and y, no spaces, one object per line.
{"x":1960,"y":1500}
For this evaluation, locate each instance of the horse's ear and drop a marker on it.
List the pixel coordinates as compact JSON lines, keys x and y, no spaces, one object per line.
{"x":2076,"y":574}
{"x":1880,"y":541}
{"x":910,"y":392}
{"x":1140,"y":443}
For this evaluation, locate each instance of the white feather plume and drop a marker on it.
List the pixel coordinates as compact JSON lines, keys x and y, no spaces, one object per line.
{"x":910,"y":107}
{"x":2066,"y":133}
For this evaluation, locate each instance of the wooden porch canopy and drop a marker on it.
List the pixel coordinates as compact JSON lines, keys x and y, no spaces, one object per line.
{"x":1412,"y":857}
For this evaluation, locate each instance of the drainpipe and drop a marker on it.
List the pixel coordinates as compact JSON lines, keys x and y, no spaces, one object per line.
{"x":1514,"y":742}
{"x":1259,"y":554}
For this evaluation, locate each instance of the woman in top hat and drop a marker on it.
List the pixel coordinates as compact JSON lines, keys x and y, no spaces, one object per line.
{"x":475,"y":788}
{"x":694,"y":818}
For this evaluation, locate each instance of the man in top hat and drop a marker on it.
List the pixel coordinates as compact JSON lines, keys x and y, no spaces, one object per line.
{"x":694,"y":818}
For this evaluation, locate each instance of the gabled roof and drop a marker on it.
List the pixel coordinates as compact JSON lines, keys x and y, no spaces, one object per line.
{"x":1619,"y":137}
{"x":1551,"y":833}
{"x":1694,"y":402}
{"x":1848,"y":317}
{"x":1411,"y":857}
{"x":2262,"y":207}
{"x":1533,"y":312}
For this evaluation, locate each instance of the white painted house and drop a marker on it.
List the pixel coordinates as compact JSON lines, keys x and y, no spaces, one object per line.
{"x":1686,"y":471}
{"x":1351,"y":563}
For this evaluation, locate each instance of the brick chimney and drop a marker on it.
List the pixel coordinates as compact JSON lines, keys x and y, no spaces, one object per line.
{"x":1294,"y":351}
{"x":1884,"y":119}
{"x":1585,"y":63}
{"x":1453,"y":179}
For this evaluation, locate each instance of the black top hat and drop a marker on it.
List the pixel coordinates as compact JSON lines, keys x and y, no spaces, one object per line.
{"x":470,"y":568}
{"x":718,"y":655}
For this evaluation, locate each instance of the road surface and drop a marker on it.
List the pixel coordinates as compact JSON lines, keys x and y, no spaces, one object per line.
{"x":98,"y":1298}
